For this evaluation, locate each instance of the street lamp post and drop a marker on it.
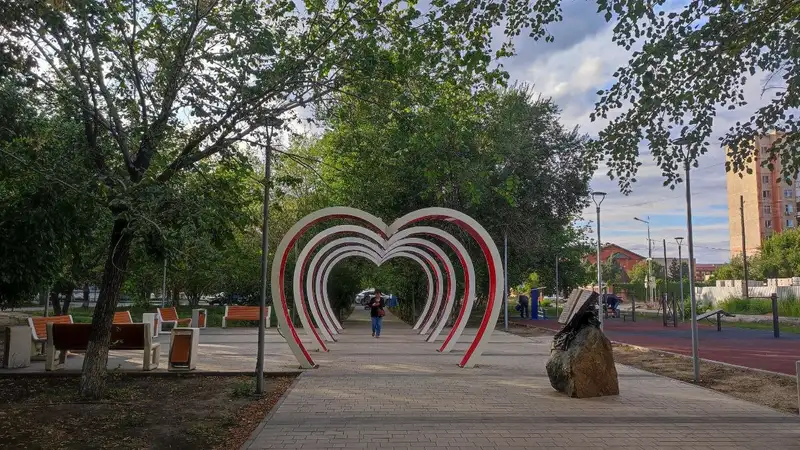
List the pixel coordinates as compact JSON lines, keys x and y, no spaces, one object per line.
{"x":679,"y":240}
{"x":505,"y":279}
{"x":598,"y":198}
{"x":695,"y":344}
{"x":649,"y":268}
{"x":272,"y":122}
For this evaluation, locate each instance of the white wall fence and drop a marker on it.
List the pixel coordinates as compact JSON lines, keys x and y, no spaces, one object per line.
{"x":713,"y":295}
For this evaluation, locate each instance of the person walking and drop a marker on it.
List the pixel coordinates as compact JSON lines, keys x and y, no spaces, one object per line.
{"x":523,"y":306}
{"x":376,"y":313}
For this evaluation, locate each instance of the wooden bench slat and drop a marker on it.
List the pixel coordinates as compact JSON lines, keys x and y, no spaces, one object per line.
{"x":39,"y":325}
{"x":122,"y":317}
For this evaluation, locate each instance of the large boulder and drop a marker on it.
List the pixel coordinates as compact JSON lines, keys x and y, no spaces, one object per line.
{"x":586,"y":367}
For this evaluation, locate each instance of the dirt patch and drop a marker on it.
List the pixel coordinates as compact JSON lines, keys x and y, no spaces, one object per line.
{"x":522,"y":330}
{"x":774,"y":391}
{"x":182,"y":412}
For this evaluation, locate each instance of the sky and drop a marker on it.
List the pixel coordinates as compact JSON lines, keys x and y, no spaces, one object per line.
{"x":570,"y":71}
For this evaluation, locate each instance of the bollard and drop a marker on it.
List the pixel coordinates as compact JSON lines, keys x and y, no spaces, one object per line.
{"x":775,"y":323}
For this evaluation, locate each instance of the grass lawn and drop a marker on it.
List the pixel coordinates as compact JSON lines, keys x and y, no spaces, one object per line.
{"x":156,"y":412}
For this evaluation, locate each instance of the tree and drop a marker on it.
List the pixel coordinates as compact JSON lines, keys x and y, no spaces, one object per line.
{"x":734,"y":270}
{"x":48,"y":213}
{"x":167,"y":84}
{"x":675,"y":270}
{"x":687,"y":62}
{"x":780,"y":255}
{"x":500,"y":156}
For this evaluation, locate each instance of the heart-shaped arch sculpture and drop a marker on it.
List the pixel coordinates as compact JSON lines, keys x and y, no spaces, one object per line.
{"x":317,"y":290}
{"x":318,"y":309}
{"x":416,"y":246}
{"x":321,"y":310}
{"x":478,"y":233}
{"x":418,"y":255}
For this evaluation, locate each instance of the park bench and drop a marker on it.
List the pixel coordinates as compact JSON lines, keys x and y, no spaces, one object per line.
{"x":170,"y":315}
{"x":63,"y":337}
{"x":719,"y":313}
{"x":249,"y":313}
{"x":122,"y":317}
{"x":39,"y":329}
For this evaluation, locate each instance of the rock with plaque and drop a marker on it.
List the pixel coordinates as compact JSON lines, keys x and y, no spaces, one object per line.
{"x":581,"y":360}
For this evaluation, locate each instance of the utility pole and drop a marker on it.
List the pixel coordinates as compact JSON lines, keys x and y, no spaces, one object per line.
{"x":598,"y":198}
{"x":557,"y":287}
{"x":666,"y":281}
{"x":271,"y":122}
{"x":744,"y":248}
{"x":505,"y":279}
{"x":679,"y":240}
{"x":163,"y":284}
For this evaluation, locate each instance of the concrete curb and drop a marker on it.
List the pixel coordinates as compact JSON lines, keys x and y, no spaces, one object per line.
{"x":263,"y":423}
{"x":142,"y":373}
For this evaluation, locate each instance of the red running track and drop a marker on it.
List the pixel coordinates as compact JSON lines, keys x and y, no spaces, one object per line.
{"x":757,"y":349}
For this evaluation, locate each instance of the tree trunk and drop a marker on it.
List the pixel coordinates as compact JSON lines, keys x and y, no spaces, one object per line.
{"x":85,"y":304}
{"x":92,"y":384}
{"x":55,"y":302}
{"x":67,"y":301}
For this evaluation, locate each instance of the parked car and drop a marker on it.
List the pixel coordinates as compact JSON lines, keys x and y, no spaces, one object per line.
{"x":223,"y":299}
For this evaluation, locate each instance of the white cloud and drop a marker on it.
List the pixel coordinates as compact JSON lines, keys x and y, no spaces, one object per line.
{"x":571,"y":75}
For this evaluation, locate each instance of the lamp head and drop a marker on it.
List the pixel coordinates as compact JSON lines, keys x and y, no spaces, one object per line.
{"x":598,"y":197}
{"x":683,"y":141}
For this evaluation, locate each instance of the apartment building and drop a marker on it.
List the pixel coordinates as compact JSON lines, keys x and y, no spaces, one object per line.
{"x":770,"y":203}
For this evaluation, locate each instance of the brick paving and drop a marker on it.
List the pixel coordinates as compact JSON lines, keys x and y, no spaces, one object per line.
{"x":396,"y":392}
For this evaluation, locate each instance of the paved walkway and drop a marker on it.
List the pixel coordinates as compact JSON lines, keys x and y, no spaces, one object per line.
{"x":397,"y":392}
{"x":758,"y":349}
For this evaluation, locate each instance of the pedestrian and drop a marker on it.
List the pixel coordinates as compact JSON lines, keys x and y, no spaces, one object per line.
{"x":376,"y":313}
{"x":523,"y":305}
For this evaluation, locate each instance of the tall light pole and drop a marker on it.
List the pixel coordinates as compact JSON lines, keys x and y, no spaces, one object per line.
{"x":679,"y":240}
{"x":163,"y":285}
{"x":272,"y":122}
{"x":597,"y":198}
{"x":505,"y":279}
{"x":649,"y":267}
{"x":557,"y":287}
{"x":695,"y":338}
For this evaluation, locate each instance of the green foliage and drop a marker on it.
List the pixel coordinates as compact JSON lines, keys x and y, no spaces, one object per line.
{"x":500,"y":156}
{"x":787,"y":307}
{"x":780,"y":255}
{"x":690,"y":61}
{"x":48,"y":211}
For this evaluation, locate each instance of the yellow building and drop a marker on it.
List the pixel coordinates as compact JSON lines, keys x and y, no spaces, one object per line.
{"x":769,"y":201}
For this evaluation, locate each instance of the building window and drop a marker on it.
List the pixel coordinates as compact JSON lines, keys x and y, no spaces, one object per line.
{"x":766,"y":194}
{"x":768,"y":223}
{"x":787,"y":193}
{"x":789,"y":223}
{"x":767,"y":209}
{"x":765,"y":179}
{"x":788,"y":209}
{"x":764,"y":150}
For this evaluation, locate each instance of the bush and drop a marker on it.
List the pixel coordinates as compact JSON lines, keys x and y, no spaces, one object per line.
{"x":787,"y":307}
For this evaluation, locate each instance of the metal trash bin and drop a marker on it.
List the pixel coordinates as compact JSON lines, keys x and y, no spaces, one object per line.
{"x":199,"y":318}
{"x":183,"y":345}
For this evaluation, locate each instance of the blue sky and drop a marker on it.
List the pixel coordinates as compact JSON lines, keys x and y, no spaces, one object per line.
{"x":571,"y":70}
